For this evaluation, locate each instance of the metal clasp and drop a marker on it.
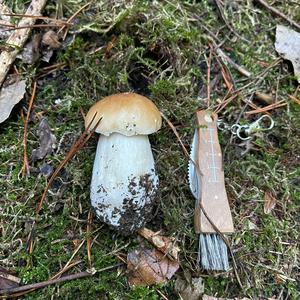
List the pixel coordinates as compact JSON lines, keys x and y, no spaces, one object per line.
{"x":243,"y":132}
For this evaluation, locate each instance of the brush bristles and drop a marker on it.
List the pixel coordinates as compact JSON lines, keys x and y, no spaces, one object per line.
{"x":213,"y":252}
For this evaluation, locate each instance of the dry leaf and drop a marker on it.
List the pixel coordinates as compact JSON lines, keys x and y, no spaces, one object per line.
{"x":190,"y":290}
{"x":7,"y":279}
{"x":288,"y":46}
{"x":9,"y":97}
{"x":50,"y":38}
{"x":146,"y":267}
{"x":47,"y":141}
{"x":270,"y":202}
{"x":31,"y":51}
{"x":162,"y":243}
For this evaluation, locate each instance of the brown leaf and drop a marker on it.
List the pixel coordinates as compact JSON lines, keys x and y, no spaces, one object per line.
{"x":270,"y":202}
{"x":31,"y":51}
{"x":50,"y":38}
{"x":9,"y":97}
{"x":47,"y":141}
{"x":7,"y":279}
{"x":146,"y":267}
{"x":164,"y":244}
{"x":190,"y":290}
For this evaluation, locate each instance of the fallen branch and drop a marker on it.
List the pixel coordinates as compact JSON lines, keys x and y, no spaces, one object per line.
{"x":18,"y":38}
{"x":278,"y":13}
{"x":31,"y":287}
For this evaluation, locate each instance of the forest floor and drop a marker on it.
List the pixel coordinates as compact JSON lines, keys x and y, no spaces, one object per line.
{"x":163,"y":50}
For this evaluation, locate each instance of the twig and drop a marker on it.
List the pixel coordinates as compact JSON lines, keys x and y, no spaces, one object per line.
{"x":25,"y":168}
{"x":31,"y":287}
{"x":72,"y":18}
{"x":33,"y":26}
{"x":294,"y":99}
{"x":266,"y":108}
{"x":65,"y":269}
{"x":221,"y":11}
{"x":208,"y":75}
{"x":68,"y":263}
{"x":18,"y":38}
{"x":278,"y":13}
{"x":88,"y":240}
{"x":38,"y":18}
{"x":239,"y":68}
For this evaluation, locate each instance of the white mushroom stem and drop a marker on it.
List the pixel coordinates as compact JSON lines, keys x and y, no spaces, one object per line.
{"x":124,"y":183}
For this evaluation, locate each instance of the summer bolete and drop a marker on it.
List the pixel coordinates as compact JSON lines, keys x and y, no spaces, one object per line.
{"x":124,"y":183}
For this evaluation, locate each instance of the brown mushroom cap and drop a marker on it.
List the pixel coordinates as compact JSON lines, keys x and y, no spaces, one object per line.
{"x":127,"y":113}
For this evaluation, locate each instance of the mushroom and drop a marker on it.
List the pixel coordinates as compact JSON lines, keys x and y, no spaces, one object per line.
{"x":124,"y":183}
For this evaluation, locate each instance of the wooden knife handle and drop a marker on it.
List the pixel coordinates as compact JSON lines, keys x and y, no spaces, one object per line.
{"x":213,"y":194}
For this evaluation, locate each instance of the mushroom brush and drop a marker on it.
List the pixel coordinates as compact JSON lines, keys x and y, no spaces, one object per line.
{"x":124,"y":183}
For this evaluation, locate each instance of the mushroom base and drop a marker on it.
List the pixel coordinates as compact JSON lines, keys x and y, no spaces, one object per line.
{"x":124,"y":183}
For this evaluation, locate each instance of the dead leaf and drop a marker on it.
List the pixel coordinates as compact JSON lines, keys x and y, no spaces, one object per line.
{"x":50,"y":38}
{"x":270,"y":202}
{"x":162,"y":243}
{"x":190,"y":290}
{"x":47,"y":141}
{"x":7,"y":279}
{"x":288,"y":46}
{"x":146,"y":267}
{"x":31,"y":51}
{"x":9,"y":97}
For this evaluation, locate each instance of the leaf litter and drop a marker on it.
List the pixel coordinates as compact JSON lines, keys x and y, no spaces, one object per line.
{"x":9,"y":96}
{"x":270,"y":202}
{"x":147,"y":267}
{"x":190,"y":288}
{"x":164,"y":244}
{"x":47,"y":141}
{"x":287,"y":44}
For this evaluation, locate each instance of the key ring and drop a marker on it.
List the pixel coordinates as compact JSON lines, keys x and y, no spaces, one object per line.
{"x":243,"y":132}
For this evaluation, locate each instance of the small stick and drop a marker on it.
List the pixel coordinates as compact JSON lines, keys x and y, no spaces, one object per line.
{"x":33,"y":26}
{"x":25,"y":168}
{"x":220,"y":8}
{"x":266,"y":108}
{"x":294,"y":99}
{"x":88,"y":240}
{"x":65,"y":269}
{"x":72,"y":17}
{"x":34,"y":286}
{"x":240,"y":69}
{"x":68,"y":263}
{"x":208,"y":75}
{"x":39,"y":18}
{"x":18,"y":38}
{"x":278,"y":13}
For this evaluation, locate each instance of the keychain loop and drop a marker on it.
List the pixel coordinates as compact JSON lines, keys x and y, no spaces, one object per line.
{"x":244,"y":132}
